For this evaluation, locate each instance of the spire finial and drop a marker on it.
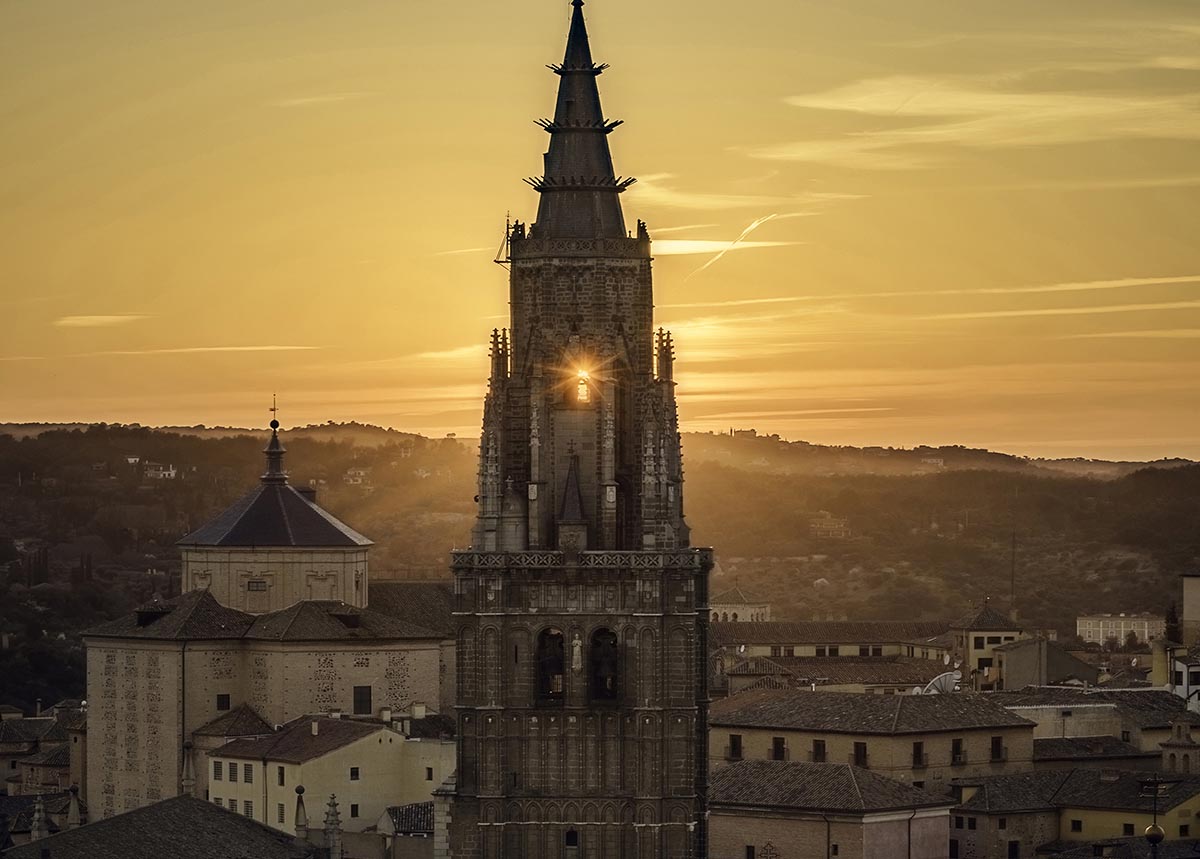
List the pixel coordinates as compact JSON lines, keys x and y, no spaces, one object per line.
{"x":274,"y":451}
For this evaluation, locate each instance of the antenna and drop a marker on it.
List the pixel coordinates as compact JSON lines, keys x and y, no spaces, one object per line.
{"x":274,"y":410}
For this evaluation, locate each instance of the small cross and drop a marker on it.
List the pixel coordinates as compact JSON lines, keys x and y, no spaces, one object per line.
{"x":274,"y":410}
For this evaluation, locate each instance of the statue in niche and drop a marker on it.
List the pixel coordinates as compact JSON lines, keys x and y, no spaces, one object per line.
{"x":576,"y":653}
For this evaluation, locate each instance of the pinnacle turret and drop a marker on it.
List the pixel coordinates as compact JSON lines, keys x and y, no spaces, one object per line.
{"x":579,"y":187}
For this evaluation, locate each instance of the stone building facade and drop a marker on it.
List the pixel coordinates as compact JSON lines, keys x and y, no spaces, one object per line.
{"x":582,"y":610}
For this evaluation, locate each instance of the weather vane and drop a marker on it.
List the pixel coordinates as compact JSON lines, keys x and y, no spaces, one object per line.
{"x":274,"y":410}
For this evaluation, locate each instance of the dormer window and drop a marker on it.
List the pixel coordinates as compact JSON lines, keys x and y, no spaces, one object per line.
{"x":256,"y":585}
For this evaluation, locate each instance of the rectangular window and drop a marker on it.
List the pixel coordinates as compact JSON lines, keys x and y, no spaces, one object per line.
{"x":776,"y":650}
{"x":1185,"y":830}
{"x":1077,"y":826}
{"x":919,"y":785}
{"x":860,"y":754}
{"x":958,"y":755}
{"x":993,"y":639}
{"x":279,"y":775}
{"x":998,"y":753}
{"x":953,"y":848}
{"x":789,"y":651}
{"x":734,"y":752}
{"x":979,"y":642}
{"x":864,"y":650}
{"x":1124,"y":736}
{"x":362,"y":700}
{"x":222,"y":702}
{"x":1014,"y":850}
{"x":353,"y":773}
{"x":778,"y":749}
{"x":232,"y":771}
{"x":821,"y":651}
{"x":1002,"y":823}
{"x":218,"y":801}
{"x":877,"y":650}
{"x":1127,"y":829}
{"x":972,"y":823}
{"x":354,"y":809}
{"x":256,"y":585}
{"x":958,"y":822}
{"x":247,"y":808}
{"x":218,"y":771}
{"x":749,"y":851}
{"x":280,"y":813}
{"x":834,"y":651}
{"x":818,"y":751}
{"x":918,"y":758}
{"x":833,"y":850}
{"x":248,"y":773}
{"x":428,"y":773}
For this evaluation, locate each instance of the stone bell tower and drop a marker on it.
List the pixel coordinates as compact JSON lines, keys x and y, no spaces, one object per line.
{"x":582,"y":694}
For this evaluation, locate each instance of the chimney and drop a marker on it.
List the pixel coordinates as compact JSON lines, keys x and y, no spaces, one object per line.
{"x":418,"y":710}
{"x":314,"y":727}
{"x":38,"y":712}
{"x":335,"y":714}
{"x":386,"y":714}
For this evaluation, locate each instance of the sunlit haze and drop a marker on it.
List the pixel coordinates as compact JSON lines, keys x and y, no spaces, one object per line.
{"x":874,"y":222}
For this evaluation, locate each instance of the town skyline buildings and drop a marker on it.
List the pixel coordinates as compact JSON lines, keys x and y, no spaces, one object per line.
{"x":993,"y":248}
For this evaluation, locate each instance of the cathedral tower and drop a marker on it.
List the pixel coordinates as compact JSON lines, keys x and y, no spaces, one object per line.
{"x":582,"y":610}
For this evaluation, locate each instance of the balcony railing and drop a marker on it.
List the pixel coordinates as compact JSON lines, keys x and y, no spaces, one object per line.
{"x":1000,"y":755}
{"x":958,"y":759}
{"x":919,"y":762}
{"x":781,"y":754}
{"x":733,"y":754}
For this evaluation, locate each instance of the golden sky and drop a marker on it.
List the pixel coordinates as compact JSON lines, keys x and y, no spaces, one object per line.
{"x":977,"y":223}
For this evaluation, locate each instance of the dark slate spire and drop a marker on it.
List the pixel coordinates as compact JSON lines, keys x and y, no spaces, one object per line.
{"x":274,"y":451}
{"x":579,"y":188}
{"x":572,"y":503}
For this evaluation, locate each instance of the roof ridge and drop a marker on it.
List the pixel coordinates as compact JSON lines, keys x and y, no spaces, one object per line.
{"x":295,"y":607}
{"x":287,"y":523}
{"x":896,"y":713}
{"x":857,"y":789}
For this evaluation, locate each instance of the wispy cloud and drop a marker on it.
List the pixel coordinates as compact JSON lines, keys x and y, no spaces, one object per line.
{"x":658,"y":231}
{"x":1151,"y":334}
{"x":740,"y":241}
{"x":795,"y":413}
{"x":741,"y":302}
{"x":656,"y":190}
{"x":1068,"y":311}
{"x":198,"y":350}
{"x":97,"y":321}
{"x":684,"y":247}
{"x":462,"y":353}
{"x":461,"y":252}
{"x":980,"y":112}
{"x":326,"y":98}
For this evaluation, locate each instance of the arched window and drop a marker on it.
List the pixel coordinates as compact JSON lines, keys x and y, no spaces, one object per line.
{"x":605,"y":660}
{"x":572,"y":838}
{"x":1187,"y":763}
{"x":550,"y":664}
{"x":1171,"y":762}
{"x":725,"y":615}
{"x":735,"y":617}
{"x":716,"y":617}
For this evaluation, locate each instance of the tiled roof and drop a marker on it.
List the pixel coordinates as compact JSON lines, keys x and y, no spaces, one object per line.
{"x":9,"y":708}
{"x":295,"y":742}
{"x":986,"y":619}
{"x":194,"y":615}
{"x":849,"y":713}
{"x":197,"y":616}
{"x":867,"y":670}
{"x":275,"y":514}
{"x":1136,"y":847}
{"x":19,"y":810}
{"x":415,"y":817}
{"x":1146,"y":708}
{"x":58,"y":756}
{"x":428,"y":604}
{"x":41,"y":728}
{"x":734,"y":596}
{"x":241,"y":721}
{"x":1086,"y":749}
{"x":1112,"y":790}
{"x":823,"y":632}
{"x":182,"y":828}
{"x":435,"y":726}
{"x":803,"y":786}
{"x":313,"y":620}
{"x":1014,"y":793}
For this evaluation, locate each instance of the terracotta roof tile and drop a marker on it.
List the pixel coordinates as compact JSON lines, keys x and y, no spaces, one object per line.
{"x":275,"y":514}
{"x":813,"y":787}
{"x":295,"y":742}
{"x":823,"y":632}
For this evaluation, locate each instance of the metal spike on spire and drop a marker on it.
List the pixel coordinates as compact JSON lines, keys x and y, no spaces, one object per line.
{"x":274,"y":451}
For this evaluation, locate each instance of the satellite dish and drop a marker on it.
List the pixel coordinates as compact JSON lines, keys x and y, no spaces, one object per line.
{"x":1133,"y":662}
{"x":945,"y":658}
{"x":943,"y":684}
{"x":741,"y":648}
{"x":916,"y":690}
{"x":987,"y":672}
{"x":957,"y":663}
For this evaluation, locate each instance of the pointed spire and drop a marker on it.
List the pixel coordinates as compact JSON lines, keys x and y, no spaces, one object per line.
{"x":301,"y":814}
{"x":579,"y":188}
{"x":333,"y":828}
{"x":274,"y":451}
{"x":572,"y":505}
{"x":39,"y":827}
{"x":188,"y":780}
{"x":74,"y":812}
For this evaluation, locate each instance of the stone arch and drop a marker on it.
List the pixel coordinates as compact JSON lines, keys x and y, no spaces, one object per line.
{"x":1187,"y":762}
{"x":716,"y":616}
{"x":488,"y":659}
{"x":724,"y":616}
{"x":1171,"y":762}
{"x":734,"y":617}
{"x":551,"y":664}
{"x":604,"y":661}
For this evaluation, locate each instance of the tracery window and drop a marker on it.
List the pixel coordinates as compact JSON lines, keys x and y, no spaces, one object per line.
{"x":550,"y":663}
{"x":604,"y":659}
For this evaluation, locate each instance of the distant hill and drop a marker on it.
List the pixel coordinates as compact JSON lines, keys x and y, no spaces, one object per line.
{"x":819,"y":531}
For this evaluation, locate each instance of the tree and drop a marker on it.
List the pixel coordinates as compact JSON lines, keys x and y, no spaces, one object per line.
{"x":1112,"y":644}
{"x":1173,"y":632}
{"x":1131,"y":640}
